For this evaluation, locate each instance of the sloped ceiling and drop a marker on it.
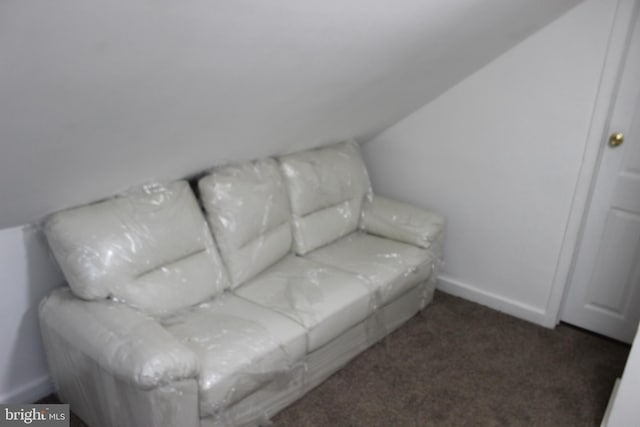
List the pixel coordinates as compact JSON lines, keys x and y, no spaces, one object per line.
{"x":97,"y":96}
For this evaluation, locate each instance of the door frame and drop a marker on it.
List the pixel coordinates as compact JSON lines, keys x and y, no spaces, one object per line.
{"x":617,"y":47}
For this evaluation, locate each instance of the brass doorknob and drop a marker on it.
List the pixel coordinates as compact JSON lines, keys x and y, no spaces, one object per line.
{"x":616,"y":139}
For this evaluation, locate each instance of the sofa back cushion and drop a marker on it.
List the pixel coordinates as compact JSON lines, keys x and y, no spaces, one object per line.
{"x":248,"y":210}
{"x":326,"y":186}
{"x":150,"y":248}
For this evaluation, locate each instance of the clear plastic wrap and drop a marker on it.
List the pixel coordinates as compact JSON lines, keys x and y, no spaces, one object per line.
{"x":327,"y":187}
{"x":112,"y":362}
{"x":150,"y":248}
{"x":324,"y":300}
{"x":409,"y":224}
{"x":257,"y":408}
{"x":401,"y":221}
{"x":238,"y":336}
{"x":248,"y":209}
{"x":116,"y":365}
{"x":240,"y":346}
{"x":389,"y":268}
{"x":129,"y":344}
{"x":436,"y":251}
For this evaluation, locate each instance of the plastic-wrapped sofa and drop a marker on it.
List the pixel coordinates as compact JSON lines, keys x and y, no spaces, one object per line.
{"x":224,"y":310}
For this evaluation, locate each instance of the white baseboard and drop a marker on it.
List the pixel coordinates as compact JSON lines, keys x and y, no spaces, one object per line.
{"x":30,"y":392}
{"x":497,"y":302}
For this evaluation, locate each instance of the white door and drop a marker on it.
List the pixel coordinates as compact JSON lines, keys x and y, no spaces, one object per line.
{"x":604,"y":289}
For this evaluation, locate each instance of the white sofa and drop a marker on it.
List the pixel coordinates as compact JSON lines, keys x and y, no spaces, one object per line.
{"x":179,"y":317}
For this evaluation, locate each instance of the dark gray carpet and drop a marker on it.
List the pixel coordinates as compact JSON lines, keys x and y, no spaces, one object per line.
{"x":461,"y":364}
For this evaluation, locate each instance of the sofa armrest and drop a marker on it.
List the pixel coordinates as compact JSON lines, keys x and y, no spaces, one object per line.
{"x":401,"y":221}
{"x":127,"y":343}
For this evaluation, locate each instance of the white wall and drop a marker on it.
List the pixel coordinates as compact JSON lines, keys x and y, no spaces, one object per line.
{"x":99,"y":96}
{"x":27,"y":274}
{"x":499,"y":155}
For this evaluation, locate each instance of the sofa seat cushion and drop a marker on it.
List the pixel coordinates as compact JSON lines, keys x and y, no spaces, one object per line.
{"x":391,"y":268}
{"x":324,"y":300}
{"x":240,"y":347}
